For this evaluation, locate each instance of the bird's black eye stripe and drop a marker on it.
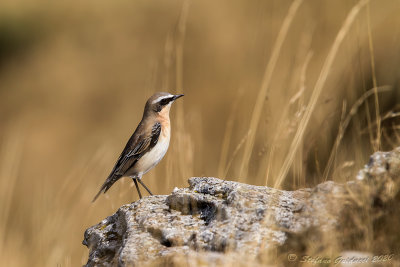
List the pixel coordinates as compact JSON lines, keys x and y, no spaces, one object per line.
{"x":165,"y":101}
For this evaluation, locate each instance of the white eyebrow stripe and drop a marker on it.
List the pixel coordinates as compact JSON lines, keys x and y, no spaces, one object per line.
{"x":161,"y":98}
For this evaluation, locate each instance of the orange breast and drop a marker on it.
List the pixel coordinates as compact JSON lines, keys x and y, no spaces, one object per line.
{"x":163,"y":118}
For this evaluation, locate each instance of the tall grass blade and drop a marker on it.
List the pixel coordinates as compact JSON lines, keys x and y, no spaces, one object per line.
{"x":262,"y":93}
{"x":317,"y":90}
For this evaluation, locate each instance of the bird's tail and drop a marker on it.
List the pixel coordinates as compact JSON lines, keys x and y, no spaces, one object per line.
{"x":107,"y":184}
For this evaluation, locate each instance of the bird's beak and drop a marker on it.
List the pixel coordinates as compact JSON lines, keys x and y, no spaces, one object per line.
{"x":177,"y":96}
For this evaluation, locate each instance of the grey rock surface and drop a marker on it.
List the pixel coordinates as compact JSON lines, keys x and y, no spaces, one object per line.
{"x":220,"y":222}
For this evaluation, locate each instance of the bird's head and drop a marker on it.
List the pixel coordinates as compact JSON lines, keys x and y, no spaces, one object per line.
{"x":161,"y":102}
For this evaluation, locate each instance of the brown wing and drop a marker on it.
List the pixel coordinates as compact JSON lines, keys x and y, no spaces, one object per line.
{"x":132,"y":152}
{"x":129,"y":157}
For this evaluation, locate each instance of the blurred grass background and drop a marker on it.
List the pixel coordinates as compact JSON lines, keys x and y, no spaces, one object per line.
{"x":74,"y":77}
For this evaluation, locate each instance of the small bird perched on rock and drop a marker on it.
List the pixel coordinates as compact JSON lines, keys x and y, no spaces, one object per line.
{"x":148,"y":144}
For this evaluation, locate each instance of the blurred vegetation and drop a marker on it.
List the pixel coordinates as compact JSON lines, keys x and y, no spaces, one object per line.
{"x":74,"y":77}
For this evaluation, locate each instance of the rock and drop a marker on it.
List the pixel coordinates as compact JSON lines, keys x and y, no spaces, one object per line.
{"x":219,"y":222}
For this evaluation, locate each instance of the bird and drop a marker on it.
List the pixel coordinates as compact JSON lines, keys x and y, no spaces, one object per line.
{"x":147,"y":145}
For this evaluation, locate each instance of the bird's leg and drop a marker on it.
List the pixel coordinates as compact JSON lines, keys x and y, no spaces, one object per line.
{"x":137,"y":187}
{"x":140,"y":181}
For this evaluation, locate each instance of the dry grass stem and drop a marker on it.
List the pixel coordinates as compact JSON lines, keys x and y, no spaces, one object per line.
{"x":376,"y":144}
{"x":262,"y":93}
{"x":235,"y":152}
{"x":317,"y":90}
{"x":345,"y":123}
{"x":185,"y":146}
{"x":10,"y":156}
{"x":226,"y":141}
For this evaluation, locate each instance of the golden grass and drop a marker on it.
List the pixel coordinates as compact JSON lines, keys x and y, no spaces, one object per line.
{"x":377,"y":144}
{"x":223,"y":165}
{"x":71,"y":98}
{"x":317,"y":91}
{"x":10,"y":156}
{"x":345,"y":123}
{"x":262,"y":93}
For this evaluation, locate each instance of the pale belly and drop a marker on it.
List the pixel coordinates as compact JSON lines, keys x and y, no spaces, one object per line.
{"x":153,"y":157}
